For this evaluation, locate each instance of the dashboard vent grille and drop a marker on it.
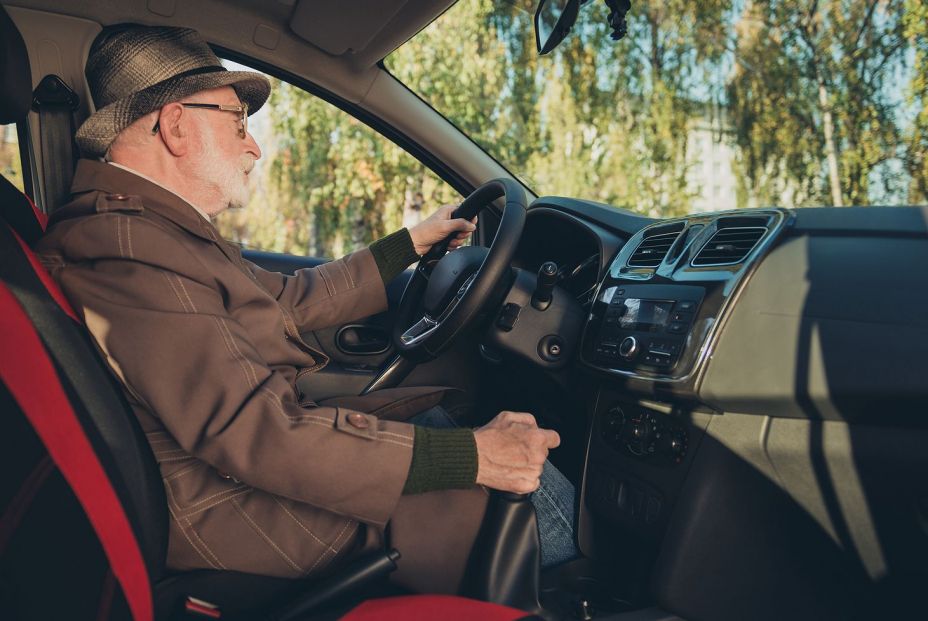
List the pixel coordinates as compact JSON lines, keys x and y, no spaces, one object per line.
{"x":652,"y":250}
{"x":729,"y":245}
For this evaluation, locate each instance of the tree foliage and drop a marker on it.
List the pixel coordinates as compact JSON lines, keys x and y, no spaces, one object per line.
{"x":815,"y":100}
{"x":822,"y":102}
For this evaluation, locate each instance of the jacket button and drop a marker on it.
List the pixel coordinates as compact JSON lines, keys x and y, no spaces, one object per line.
{"x":118,"y":197}
{"x":358,"y":420}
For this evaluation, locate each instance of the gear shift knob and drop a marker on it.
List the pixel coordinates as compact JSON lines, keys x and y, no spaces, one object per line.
{"x":544,"y":289}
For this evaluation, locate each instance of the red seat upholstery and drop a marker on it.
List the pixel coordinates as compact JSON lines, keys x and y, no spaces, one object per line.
{"x":431,"y":608}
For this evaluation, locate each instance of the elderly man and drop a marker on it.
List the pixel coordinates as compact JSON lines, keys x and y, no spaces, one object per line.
{"x":258,"y":477}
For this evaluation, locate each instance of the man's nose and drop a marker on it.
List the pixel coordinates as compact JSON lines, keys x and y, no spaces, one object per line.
{"x":251,"y":146}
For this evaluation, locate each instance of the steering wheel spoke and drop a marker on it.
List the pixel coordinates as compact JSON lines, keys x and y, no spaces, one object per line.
{"x":419,"y":330}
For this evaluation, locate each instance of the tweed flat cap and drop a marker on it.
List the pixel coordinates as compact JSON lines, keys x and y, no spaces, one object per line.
{"x":133,"y":70}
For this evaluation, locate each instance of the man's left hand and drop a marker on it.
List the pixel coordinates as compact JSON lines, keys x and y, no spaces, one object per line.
{"x":439,"y":226}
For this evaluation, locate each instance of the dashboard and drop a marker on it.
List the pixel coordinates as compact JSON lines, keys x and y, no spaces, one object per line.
{"x":748,"y":372}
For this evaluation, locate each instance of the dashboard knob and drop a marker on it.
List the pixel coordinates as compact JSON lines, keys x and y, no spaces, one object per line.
{"x":628,"y":347}
{"x":677,"y":444}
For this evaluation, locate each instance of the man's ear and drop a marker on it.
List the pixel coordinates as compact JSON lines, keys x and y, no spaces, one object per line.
{"x":174,"y":127}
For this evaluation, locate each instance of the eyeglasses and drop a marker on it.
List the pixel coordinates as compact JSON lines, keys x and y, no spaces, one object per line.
{"x":242,"y":112}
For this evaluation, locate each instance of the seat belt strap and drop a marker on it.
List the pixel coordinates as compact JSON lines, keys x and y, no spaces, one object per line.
{"x":56,"y":102}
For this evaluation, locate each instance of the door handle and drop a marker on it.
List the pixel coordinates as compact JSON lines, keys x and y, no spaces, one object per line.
{"x":362,"y":340}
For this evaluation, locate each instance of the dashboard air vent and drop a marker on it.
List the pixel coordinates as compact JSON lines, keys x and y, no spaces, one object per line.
{"x":653,"y":248}
{"x":729,"y":245}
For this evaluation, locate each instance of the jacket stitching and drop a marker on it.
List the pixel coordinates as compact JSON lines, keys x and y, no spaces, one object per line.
{"x":199,"y":539}
{"x":335,"y":551}
{"x":396,"y":442}
{"x":122,"y":251}
{"x":350,"y":277}
{"x":233,"y":490}
{"x":357,"y":291}
{"x":325,"y":422}
{"x":251,"y":367}
{"x":176,"y":292}
{"x":277,"y":403}
{"x":344,"y":271}
{"x":395,"y":435}
{"x":186,"y":535}
{"x":180,"y":283}
{"x":237,"y":357}
{"x":217,"y":502}
{"x":303,"y":526}
{"x":344,"y":528}
{"x":327,"y":279}
{"x":129,"y":237}
{"x":183,"y":471}
{"x":164,"y":452}
{"x":170,"y":459}
{"x":264,"y":535}
{"x":225,"y":341}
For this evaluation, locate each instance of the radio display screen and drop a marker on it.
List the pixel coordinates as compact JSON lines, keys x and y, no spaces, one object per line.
{"x":645,"y":315}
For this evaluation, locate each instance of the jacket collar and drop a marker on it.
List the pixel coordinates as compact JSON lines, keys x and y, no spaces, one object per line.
{"x":96,"y":176}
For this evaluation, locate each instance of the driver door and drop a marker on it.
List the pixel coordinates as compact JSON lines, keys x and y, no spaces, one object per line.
{"x":327,"y":185}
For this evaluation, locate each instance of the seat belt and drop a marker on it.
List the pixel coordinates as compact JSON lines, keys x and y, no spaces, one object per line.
{"x":55,"y":102}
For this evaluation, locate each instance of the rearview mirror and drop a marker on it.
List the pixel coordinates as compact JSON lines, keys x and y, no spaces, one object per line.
{"x":553,"y":20}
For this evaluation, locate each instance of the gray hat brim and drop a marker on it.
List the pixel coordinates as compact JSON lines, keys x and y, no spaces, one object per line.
{"x":97,"y":133}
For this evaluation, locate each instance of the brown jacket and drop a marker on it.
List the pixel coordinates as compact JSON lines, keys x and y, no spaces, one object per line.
{"x":258,"y":477}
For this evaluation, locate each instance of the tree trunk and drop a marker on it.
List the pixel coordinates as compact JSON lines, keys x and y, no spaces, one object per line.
{"x":831,"y":149}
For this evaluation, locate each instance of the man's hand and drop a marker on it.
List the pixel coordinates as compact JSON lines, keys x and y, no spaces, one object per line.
{"x":511,"y":451}
{"x":439,"y":226}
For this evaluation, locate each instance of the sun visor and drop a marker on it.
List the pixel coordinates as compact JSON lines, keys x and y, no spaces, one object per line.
{"x":342,"y":26}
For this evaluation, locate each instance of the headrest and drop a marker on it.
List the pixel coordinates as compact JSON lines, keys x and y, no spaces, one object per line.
{"x":15,"y":74}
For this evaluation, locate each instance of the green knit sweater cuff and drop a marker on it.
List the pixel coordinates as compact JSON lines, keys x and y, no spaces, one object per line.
{"x":442,"y":459}
{"x":393,"y":254}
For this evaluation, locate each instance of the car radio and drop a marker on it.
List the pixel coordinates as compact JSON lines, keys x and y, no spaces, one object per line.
{"x":644,"y":327}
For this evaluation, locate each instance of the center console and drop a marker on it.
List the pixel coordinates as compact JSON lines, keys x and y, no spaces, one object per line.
{"x":648,"y":335}
{"x":644,"y":327}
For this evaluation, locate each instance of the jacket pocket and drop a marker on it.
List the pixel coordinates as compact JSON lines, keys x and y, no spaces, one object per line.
{"x":198,"y":487}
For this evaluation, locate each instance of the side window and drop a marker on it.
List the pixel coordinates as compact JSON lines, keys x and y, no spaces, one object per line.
{"x":11,"y":163}
{"x":326,"y":184}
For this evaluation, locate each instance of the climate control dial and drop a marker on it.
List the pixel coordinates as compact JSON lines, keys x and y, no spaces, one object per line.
{"x":644,"y":434}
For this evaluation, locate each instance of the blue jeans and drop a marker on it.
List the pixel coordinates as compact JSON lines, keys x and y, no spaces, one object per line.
{"x":555,"y":501}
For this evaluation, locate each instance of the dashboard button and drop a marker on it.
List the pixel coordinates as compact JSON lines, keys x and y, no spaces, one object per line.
{"x":686,"y":306}
{"x":682,"y":317}
{"x":677,"y":328}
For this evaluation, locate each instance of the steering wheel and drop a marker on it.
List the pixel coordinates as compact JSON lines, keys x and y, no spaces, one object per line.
{"x":448,"y":289}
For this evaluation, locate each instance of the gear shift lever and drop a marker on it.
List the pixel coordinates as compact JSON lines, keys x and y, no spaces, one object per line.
{"x":544,"y":289}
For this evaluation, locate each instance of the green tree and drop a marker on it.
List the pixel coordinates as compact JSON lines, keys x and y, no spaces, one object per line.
{"x":916,"y":31}
{"x":812,"y":99}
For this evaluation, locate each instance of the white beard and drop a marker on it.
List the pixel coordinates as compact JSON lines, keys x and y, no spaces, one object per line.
{"x":227,"y":183}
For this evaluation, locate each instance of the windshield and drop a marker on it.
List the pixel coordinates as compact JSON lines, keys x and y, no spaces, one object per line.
{"x":703,"y":106}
